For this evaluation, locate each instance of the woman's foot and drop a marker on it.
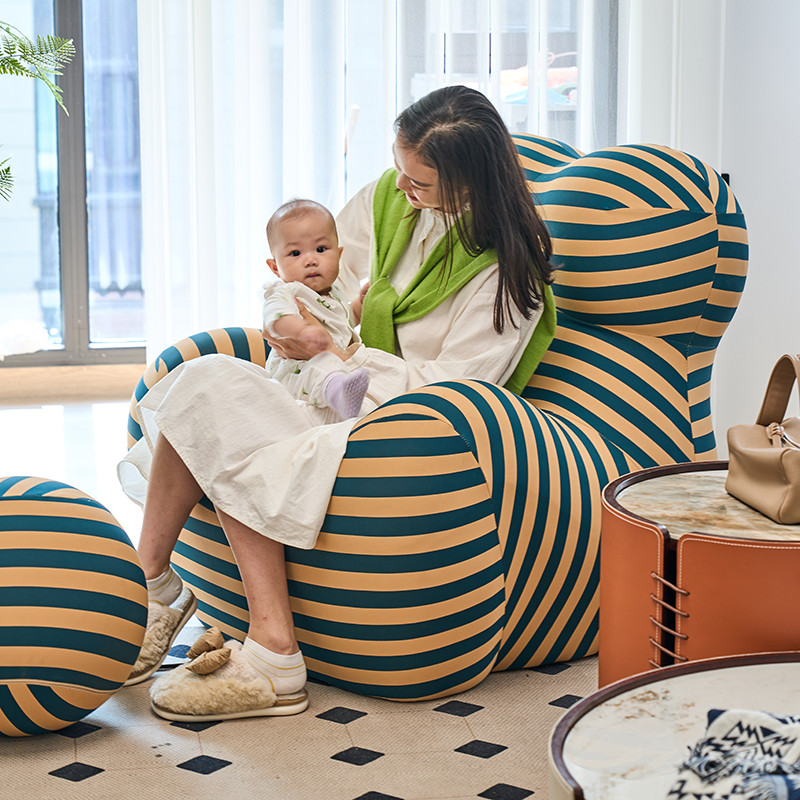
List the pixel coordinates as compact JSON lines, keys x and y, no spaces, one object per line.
{"x":286,"y":673}
{"x":165,"y":620}
{"x":233,"y":689}
{"x":166,"y":588}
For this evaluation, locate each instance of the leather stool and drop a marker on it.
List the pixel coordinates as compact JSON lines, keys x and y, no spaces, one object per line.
{"x":688,"y":572}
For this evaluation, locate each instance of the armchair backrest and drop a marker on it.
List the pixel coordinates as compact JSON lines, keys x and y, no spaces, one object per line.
{"x":651,"y":250}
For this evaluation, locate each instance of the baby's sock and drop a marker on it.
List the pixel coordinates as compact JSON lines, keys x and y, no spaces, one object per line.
{"x":344,"y":391}
{"x":166,"y":588}
{"x":287,"y":674}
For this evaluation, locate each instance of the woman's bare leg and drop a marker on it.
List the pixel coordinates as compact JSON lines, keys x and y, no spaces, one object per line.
{"x":172,"y":493}
{"x":262,"y":566}
{"x":271,"y":648}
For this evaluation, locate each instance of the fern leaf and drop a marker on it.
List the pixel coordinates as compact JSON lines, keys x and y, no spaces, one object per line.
{"x":6,"y":180}
{"x":40,"y":59}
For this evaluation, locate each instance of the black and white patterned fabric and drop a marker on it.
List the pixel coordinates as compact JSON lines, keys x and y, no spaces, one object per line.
{"x":745,"y":755}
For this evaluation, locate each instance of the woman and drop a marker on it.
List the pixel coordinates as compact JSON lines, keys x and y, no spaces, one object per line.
{"x":458,"y":264}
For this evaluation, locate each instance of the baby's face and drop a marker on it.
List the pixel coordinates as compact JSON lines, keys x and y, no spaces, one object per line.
{"x":307,"y":251}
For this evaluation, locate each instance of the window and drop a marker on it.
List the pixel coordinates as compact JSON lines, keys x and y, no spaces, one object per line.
{"x":244,"y":103}
{"x":70,"y":237}
{"x":549,"y":66}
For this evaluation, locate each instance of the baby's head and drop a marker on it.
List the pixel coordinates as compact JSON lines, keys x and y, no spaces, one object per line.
{"x":304,"y":245}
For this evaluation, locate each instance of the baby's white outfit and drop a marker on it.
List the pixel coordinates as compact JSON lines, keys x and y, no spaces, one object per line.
{"x":304,"y":379}
{"x":273,"y":466}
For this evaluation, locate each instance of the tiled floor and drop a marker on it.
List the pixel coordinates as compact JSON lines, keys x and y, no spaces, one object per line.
{"x":489,"y":742}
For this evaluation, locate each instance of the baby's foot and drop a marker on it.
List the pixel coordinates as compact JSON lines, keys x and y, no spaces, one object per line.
{"x":344,"y":391}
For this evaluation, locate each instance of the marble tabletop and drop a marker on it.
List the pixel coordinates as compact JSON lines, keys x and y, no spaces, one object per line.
{"x":696,"y":502}
{"x":631,"y":746}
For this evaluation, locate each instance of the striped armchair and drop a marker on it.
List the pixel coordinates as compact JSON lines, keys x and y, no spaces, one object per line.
{"x":462,"y":535}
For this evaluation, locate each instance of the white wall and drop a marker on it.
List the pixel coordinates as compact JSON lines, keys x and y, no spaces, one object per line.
{"x":760,"y":130}
{"x":671,"y":65}
{"x":718,"y":79}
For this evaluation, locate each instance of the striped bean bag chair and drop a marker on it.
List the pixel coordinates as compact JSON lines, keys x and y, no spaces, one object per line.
{"x":463,"y":529}
{"x":73,"y":605}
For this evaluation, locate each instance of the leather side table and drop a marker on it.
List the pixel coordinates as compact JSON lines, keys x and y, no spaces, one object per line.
{"x":688,"y":572}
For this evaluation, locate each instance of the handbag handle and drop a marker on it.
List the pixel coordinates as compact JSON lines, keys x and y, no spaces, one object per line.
{"x":779,"y":389}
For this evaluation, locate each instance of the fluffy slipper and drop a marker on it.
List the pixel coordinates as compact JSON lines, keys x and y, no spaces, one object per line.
{"x":164,"y":623}
{"x":209,"y":641}
{"x":209,"y":661}
{"x":233,"y":691}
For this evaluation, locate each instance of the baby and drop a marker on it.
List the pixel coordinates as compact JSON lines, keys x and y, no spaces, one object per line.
{"x":305,"y":247}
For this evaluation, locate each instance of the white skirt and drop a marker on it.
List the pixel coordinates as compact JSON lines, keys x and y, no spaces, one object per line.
{"x":260,"y":456}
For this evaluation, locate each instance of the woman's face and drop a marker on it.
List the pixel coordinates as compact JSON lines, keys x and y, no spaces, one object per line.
{"x":419,"y":181}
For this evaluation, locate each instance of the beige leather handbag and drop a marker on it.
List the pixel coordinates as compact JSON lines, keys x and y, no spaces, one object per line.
{"x":764,"y":459}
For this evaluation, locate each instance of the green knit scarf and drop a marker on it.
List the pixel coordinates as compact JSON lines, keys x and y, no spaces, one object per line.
{"x":394,"y":222}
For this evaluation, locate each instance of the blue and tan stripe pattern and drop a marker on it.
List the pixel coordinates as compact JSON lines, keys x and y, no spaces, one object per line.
{"x":462,"y":535}
{"x":73,"y":605}
{"x":652,"y":250}
{"x":450,"y":559}
{"x":244,"y":343}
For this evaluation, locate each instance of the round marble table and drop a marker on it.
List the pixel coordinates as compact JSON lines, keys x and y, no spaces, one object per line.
{"x":687,"y":501}
{"x":627,"y":741}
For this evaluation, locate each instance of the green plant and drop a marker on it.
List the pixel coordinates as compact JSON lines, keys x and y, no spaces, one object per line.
{"x":21,"y":56}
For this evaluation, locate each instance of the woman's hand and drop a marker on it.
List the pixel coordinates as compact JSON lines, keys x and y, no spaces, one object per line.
{"x":299,"y":350}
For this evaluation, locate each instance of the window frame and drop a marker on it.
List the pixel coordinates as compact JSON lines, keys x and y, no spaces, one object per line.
{"x":73,"y":231}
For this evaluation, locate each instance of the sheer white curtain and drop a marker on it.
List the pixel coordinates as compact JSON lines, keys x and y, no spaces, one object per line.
{"x":246,"y":103}
{"x":215,"y":116}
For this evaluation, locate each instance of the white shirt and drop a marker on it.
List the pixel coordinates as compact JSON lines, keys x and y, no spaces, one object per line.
{"x":456,"y":340}
{"x":265,"y":458}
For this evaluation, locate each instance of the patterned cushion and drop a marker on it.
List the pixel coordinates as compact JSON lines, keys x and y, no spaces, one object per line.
{"x":73,"y":605}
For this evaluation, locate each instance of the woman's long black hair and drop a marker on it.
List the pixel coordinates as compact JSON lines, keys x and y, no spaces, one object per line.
{"x":459,"y":133}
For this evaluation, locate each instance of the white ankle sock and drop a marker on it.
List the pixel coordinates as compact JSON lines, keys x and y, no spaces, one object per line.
{"x":344,"y":391}
{"x":166,"y":588}
{"x":286,"y":674}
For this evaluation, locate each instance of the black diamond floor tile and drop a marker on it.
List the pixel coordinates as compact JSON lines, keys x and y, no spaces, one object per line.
{"x":78,"y":729}
{"x":358,"y":756}
{"x":341,"y":715}
{"x":550,"y":669}
{"x":204,"y":765}
{"x":76,"y":772}
{"x":377,"y":796}
{"x":458,"y":709}
{"x":197,"y":727}
{"x":481,"y":749}
{"x":565,"y":701}
{"x":504,"y":791}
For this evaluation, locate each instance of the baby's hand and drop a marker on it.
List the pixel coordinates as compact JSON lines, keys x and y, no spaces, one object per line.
{"x":357,"y":306}
{"x":315,"y":338}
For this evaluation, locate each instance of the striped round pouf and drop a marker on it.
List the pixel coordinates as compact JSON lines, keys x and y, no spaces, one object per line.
{"x":73,"y":605}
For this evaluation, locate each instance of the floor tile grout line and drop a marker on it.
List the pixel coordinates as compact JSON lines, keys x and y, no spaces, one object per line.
{"x":469,"y":727}
{"x":470,"y":732}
